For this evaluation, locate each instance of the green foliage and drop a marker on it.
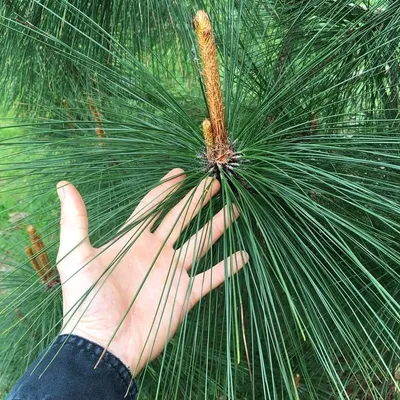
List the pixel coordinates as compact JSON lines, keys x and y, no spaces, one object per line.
{"x":311,"y":99}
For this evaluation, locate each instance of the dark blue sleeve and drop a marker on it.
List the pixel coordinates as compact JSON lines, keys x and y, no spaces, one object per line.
{"x":71,"y":374}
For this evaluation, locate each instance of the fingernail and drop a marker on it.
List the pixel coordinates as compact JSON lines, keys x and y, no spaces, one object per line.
{"x":60,"y":191}
{"x":244,"y":256}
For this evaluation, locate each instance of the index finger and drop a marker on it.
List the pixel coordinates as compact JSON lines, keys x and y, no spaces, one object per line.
{"x":200,"y":243}
{"x":180,"y":215}
{"x":169,"y":184}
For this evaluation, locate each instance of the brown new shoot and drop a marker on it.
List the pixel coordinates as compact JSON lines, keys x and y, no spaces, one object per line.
{"x":67,"y":109}
{"x":19,"y":314}
{"x":314,"y":122}
{"x":39,"y":259}
{"x":208,"y":138}
{"x":100,"y":133}
{"x":34,"y":262}
{"x":208,"y":54}
{"x":297,"y":380}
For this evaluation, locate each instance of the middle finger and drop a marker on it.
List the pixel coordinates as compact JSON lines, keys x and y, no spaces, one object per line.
{"x":180,"y":215}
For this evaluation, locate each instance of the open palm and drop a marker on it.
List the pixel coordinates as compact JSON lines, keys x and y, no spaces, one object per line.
{"x":136,"y":289}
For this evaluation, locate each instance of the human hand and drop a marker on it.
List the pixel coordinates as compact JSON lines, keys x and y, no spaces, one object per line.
{"x":151,"y":273}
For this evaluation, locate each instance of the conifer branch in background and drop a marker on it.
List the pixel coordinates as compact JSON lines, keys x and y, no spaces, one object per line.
{"x":307,"y":91}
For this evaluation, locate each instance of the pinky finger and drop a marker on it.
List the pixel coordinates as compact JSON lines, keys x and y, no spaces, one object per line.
{"x":213,"y":277}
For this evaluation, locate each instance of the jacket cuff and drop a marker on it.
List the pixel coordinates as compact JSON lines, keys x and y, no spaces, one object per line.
{"x":65,"y":370}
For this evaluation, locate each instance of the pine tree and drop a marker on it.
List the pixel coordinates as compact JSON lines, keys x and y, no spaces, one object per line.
{"x":292,"y":105}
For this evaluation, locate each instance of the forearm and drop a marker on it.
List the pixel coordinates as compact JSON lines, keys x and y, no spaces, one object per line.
{"x":66,"y":371}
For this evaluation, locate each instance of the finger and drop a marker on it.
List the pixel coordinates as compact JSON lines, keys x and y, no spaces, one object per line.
{"x":213,"y":277}
{"x":198,"y":245}
{"x":74,"y":226}
{"x":180,"y":215}
{"x":169,"y":183}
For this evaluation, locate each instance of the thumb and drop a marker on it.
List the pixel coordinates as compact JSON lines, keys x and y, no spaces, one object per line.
{"x":74,"y":226}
